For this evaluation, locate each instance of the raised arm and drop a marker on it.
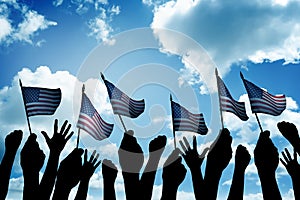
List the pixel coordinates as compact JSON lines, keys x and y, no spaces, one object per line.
{"x":56,"y":144}
{"x":266,"y":159}
{"x":88,"y":169}
{"x":173,"y":174}
{"x":109,"y":173}
{"x":156,"y":148}
{"x":217,"y":160}
{"x":293,"y":168}
{"x":12,"y":143}
{"x":131,"y":159}
{"x":32,"y":160}
{"x":68,"y":175}
{"x":242,"y":159}
{"x":194,"y":162}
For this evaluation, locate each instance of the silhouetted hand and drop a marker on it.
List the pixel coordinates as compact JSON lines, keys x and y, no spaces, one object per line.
{"x":173,"y":174}
{"x":291,"y":164}
{"x":68,"y":174}
{"x":266,"y":156}
{"x":59,"y":139}
{"x":109,"y":173}
{"x":32,"y":157}
{"x":290,"y":132}
{"x":266,"y":159}
{"x":12,"y":143}
{"x":156,"y":148}
{"x":89,"y":166}
{"x":293,"y":168}
{"x":194,"y":162}
{"x":217,"y":160}
{"x":220,"y":155}
{"x":56,"y":144}
{"x":88,"y":169}
{"x":191,"y":156}
{"x":131,"y":159}
{"x":158,"y":144}
{"x":109,"y":170}
{"x":131,"y":156}
{"x":32,"y":160}
{"x":242,"y":159}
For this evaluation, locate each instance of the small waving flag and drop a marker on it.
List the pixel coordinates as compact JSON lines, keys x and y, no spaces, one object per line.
{"x":122,"y":104}
{"x":228,"y":104}
{"x":263,"y":102}
{"x":90,"y":121}
{"x":183,"y":120}
{"x":40,"y":101}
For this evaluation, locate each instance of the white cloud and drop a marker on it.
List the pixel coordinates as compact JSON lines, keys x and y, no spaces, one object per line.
{"x":100,"y":26}
{"x":32,"y":23}
{"x":6,"y":28}
{"x":57,"y":2}
{"x":233,"y":31}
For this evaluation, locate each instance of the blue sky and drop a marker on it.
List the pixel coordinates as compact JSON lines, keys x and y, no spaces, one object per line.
{"x":150,"y":48}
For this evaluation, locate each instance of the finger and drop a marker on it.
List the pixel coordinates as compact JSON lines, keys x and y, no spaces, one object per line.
{"x":97,"y":156}
{"x":45,"y":136}
{"x":288,"y":154}
{"x":186,"y":143}
{"x":92,"y":156}
{"x":284,"y":163}
{"x":284,"y":156}
{"x":194,"y":142}
{"x":55,"y":126}
{"x":85,"y":155}
{"x":70,"y":135}
{"x":63,"y":126}
{"x":67,"y":130}
{"x":97,"y":164}
{"x":182,"y":146}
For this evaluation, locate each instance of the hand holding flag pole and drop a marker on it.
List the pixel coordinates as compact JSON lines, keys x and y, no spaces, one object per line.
{"x":220,"y":106}
{"x":28,"y":122}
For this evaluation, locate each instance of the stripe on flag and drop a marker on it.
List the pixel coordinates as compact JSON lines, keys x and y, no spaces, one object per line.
{"x":263,"y":102}
{"x":122,"y":104}
{"x":41,"y":101}
{"x":228,"y":104}
{"x":90,"y":121}
{"x":183,"y":120}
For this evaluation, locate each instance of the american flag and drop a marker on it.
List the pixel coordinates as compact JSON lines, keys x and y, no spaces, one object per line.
{"x":263,"y":102}
{"x":41,"y":101}
{"x":90,"y":121}
{"x":122,"y":104}
{"x":183,"y":120}
{"x":228,"y":103}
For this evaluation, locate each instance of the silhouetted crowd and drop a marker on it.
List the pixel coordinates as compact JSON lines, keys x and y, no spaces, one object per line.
{"x":62,"y":177}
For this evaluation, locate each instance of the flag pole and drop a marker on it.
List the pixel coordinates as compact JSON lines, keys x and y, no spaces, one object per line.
{"x":258,"y":122}
{"x":78,"y":133}
{"x":28,"y":122}
{"x":122,"y":123}
{"x":220,"y":106}
{"x":173,"y":123}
